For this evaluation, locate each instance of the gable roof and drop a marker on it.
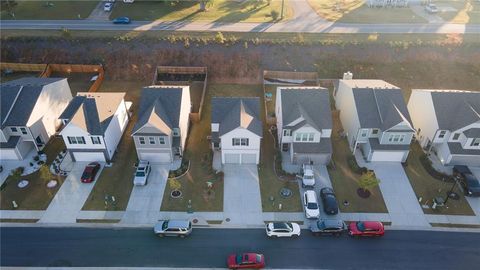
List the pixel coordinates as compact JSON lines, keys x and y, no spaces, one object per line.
{"x":379,"y":104}
{"x":92,"y":111}
{"x":455,"y":109}
{"x":233,"y":112}
{"x":19,"y":97}
{"x":311,"y":104}
{"x":159,"y":107}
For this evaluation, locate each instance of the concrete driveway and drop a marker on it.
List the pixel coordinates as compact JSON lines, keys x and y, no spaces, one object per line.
{"x":242,"y":203}
{"x":70,"y":198}
{"x":145,"y":201}
{"x":322,"y":179}
{"x":401,"y":201}
{"x":475,"y":201}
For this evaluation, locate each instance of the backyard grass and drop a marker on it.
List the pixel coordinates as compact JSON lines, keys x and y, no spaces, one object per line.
{"x":357,"y":11}
{"x":36,"y":196}
{"x":117,"y":180}
{"x":79,"y":82}
{"x":219,"y":11}
{"x":345,"y":181}
{"x":17,"y":75}
{"x":467,"y":11}
{"x":428,"y":188}
{"x":40,"y":10}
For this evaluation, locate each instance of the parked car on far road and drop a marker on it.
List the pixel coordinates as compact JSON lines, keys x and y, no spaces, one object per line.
{"x":468,"y":181}
{"x":330,"y":205}
{"x":121,"y":20}
{"x":142,"y":173}
{"x":246,"y":260}
{"x":180,"y":228}
{"x":90,"y":172}
{"x":366,"y":228}
{"x":431,"y":8}
{"x":282,"y":229}
{"x":311,"y":204}
{"x":328,"y":226}
{"x":108,"y":7}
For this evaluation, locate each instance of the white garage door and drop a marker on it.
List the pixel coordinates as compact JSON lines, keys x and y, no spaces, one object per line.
{"x":388,"y":156}
{"x":8,"y":154}
{"x":89,"y":156}
{"x":249,"y":158}
{"x":232,"y":158}
{"x":156,"y":157}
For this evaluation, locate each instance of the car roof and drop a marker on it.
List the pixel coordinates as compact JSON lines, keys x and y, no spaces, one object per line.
{"x":332,"y":222}
{"x":311,"y":195}
{"x":280,"y":225}
{"x":176,"y":223}
{"x":373,"y":224}
{"x":327,"y":190}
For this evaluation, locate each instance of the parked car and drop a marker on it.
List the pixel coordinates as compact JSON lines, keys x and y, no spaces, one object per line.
{"x":328,"y":226}
{"x":311,"y":204}
{"x":121,"y":20}
{"x":142,"y":173}
{"x":366,"y":228}
{"x":107,"y":7}
{"x":246,"y":260}
{"x":330,"y":205}
{"x":308,"y":177}
{"x":90,"y":172}
{"x":431,"y":8}
{"x":468,"y":181}
{"x":282,"y":229}
{"x":180,"y":228}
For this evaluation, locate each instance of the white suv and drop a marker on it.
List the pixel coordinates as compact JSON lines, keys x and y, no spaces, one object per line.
{"x":310,"y":203}
{"x":141,"y":175}
{"x":308,"y":177}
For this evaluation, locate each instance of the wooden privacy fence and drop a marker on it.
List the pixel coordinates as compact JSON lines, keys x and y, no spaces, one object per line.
{"x":69,"y":68}
{"x":40,"y":68}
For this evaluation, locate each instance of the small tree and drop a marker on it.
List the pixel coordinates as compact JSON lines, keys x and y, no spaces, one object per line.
{"x":174,"y":184}
{"x":368,"y":180}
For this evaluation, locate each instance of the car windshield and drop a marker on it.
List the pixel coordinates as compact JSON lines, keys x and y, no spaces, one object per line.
{"x":165,"y":225}
{"x":258,"y":257}
{"x":473,"y":182}
{"x":282,"y":226}
{"x":312,"y":206}
{"x":86,"y":175}
{"x":360,"y":226}
{"x":308,"y":177}
{"x":140,"y":174}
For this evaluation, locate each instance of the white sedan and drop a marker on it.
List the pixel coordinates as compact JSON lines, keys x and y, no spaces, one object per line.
{"x":282,"y":229}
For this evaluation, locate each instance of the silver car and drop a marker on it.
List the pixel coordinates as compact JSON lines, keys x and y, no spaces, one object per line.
{"x":179,"y":228}
{"x":141,"y":175}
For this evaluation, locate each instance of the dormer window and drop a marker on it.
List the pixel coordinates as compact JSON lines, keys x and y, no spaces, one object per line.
{"x":442,"y":133}
{"x":375,"y":131}
{"x":176,"y":132}
{"x":456,"y":136}
{"x":14,"y":129}
{"x":286,"y":132}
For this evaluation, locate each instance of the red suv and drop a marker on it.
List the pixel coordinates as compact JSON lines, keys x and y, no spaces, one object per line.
{"x":246,"y":260}
{"x":90,"y":172}
{"x":366,"y":228}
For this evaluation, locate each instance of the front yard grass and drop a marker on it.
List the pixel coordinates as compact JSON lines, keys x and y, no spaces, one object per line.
{"x":36,"y":196}
{"x":40,"y":10}
{"x":356,"y":11}
{"x":219,"y":11}
{"x":467,"y":11}
{"x":345,"y":181}
{"x":426,"y":187}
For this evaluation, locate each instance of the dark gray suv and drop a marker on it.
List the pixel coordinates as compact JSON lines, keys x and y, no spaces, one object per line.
{"x":179,"y":228}
{"x":328,"y":226}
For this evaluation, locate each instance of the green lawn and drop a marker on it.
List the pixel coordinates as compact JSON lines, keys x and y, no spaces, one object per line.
{"x":356,"y":11}
{"x":220,"y":11}
{"x":428,"y":188}
{"x":467,"y":11}
{"x":36,"y":196}
{"x":78,"y":82}
{"x":117,"y":180}
{"x":39,"y":10}
{"x":345,"y":182}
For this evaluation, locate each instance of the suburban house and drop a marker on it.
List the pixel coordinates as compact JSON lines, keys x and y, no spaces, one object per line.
{"x":375,"y":119}
{"x":30,"y":108}
{"x":304,"y":124}
{"x":94,"y":124}
{"x":161,"y":130}
{"x":237,"y":129}
{"x":447,"y":123}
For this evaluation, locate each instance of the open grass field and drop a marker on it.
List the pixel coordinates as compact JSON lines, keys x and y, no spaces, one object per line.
{"x":40,"y":10}
{"x":467,"y":11}
{"x":218,"y":11}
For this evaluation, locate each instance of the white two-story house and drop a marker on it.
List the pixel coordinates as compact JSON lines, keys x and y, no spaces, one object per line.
{"x":161,"y":130}
{"x":237,"y":129}
{"x":304,"y":124}
{"x":447,"y":123}
{"x":375,"y":119}
{"x":94,"y":124}
{"x":30,"y":108}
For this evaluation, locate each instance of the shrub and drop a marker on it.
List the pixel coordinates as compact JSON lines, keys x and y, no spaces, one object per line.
{"x":274,"y":14}
{"x":352,"y":163}
{"x":174,"y":184}
{"x":219,"y":38}
{"x":368,"y":180}
{"x":427,"y":165}
{"x":36,"y":158}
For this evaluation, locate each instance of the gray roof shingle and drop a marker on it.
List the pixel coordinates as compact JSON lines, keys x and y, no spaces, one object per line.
{"x":455,"y":110}
{"x":233,"y":112}
{"x":472,"y":133}
{"x":376,"y":145}
{"x":324,"y":146}
{"x":457,"y":149}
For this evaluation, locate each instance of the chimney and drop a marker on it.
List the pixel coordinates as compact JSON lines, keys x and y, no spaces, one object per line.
{"x":347,"y":75}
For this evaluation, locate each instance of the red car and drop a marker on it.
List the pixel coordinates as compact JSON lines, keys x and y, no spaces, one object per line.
{"x":366,"y":228}
{"x":90,"y":172}
{"x":246,"y":260}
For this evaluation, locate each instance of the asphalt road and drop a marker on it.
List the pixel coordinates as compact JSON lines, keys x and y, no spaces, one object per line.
{"x":34,"y":246}
{"x":318,"y":26}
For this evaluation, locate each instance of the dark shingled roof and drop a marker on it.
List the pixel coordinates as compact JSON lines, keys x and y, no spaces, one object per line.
{"x":457,"y":149}
{"x":375,"y":144}
{"x":380,"y":108}
{"x":11,"y":143}
{"x":324,"y":146}
{"x":233,"y":112}
{"x":455,"y":110}
{"x":472,"y":133}
{"x":311,"y":104}
{"x":164,"y":103}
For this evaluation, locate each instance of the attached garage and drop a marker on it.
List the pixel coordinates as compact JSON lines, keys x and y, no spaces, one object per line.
{"x":89,"y":156}
{"x":9,"y":154}
{"x":388,"y":156}
{"x":316,"y":159}
{"x":159,"y":157}
{"x":249,"y":158}
{"x":232,"y":158}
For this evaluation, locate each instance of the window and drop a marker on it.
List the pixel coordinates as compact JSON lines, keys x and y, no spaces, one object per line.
{"x":475,"y":142}
{"x":176,"y":132}
{"x":442,"y":133}
{"x":298,"y":137}
{"x":375,"y":131}
{"x":80,"y":140}
{"x":244,"y":142}
{"x":364,"y":133}
{"x":141,"y":140}
{"x":151,"y":140}
{"x":240,"y":141}
{"x":310,"y":137}
{"x":96,"y":140}
{"x":286,"y":132}
{"x":162,"y":140}
{"x":456,"y":136}
{"x":72,"y":140}
{"x":304,"y":137}
{"x":14,"y":129}
{"x":396,"y":138}
{"x":235,"y":141}
{"x":23,"y":130}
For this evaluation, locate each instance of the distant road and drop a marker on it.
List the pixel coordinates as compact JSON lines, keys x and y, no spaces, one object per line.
{"x":85,"y":247}
{"x":316,"y":26}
